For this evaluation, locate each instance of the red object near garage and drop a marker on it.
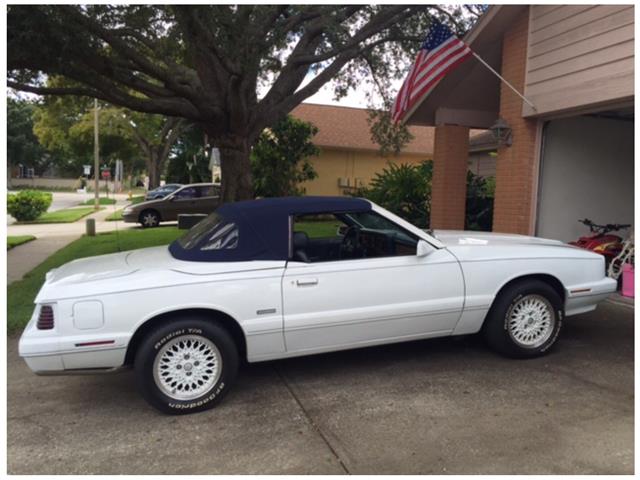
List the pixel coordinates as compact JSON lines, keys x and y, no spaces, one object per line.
{"x":628,"y":280}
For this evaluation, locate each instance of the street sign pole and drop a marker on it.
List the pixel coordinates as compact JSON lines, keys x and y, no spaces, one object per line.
{"x":96,"y":155}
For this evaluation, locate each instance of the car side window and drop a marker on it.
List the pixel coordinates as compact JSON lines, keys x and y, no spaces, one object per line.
{"x":213,"y":233}
{"x":186,"y":193}
{"x":348,"y":236}
{"x":208,"y":191}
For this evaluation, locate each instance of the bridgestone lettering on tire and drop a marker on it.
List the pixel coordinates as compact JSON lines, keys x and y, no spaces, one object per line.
{"x":186,"y":365}
{"x":525,"y":319}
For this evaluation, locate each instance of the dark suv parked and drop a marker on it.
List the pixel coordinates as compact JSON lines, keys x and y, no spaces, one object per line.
{"x":162,"y":191}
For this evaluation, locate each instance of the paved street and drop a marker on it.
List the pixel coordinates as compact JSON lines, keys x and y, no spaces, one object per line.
{"x":62,"y":200}
{"x":51,"y":237}
{"x":437,"y":406}
{"x":41,"y":230}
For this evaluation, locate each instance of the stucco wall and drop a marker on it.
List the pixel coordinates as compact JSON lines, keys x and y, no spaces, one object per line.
{"x":587,"y":171}
{"x":54,"y":183}
{"x":333,"y":164}
{"x":45,"y":182}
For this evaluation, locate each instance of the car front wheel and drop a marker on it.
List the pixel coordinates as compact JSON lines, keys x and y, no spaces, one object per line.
{"x":149,"y":219}
{"x":525,"y":320}
{"x":186,"y":366}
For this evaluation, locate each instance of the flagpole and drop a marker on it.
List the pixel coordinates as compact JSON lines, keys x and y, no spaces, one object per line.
{"x":504,"y":80}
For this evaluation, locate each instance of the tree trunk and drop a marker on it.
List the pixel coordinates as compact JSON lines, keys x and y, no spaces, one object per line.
{"x":235,"y":167}
{"x":153,"y":167}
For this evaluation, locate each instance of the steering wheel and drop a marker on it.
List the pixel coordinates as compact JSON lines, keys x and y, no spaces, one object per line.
{"x":350,"y":246}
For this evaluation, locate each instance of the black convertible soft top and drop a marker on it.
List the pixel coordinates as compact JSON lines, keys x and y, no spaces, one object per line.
{"x":255,"y":229}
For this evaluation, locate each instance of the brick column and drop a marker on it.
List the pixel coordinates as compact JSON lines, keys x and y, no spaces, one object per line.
{"x":449,"y":184}
{"x":517,"y":165}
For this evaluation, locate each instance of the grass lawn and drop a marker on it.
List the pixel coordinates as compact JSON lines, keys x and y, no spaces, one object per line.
{"x":14,"y":241}
{"x":67,"y":215}
{"x":102,"y":200}
{"x":117,"y":215}
{"x":20,"y":294}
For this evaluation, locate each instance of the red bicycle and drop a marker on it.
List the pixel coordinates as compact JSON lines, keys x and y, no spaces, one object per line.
{"x":601,"y":240}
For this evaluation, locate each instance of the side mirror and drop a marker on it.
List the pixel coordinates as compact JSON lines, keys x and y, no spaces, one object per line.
{"x":424,"y":248}
{"x":342,"y":229}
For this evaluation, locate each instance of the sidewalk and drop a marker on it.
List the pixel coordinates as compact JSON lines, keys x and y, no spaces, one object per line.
{"x":42,"y":230}
{"x":24,"y":258}
{"x":51,"y":237}
{"x":65,"y":200}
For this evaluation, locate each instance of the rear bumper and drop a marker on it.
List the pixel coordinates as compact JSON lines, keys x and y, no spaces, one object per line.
{"x":47,"y":352}
{"x":73,"y":363}
{"x":585,"y":297}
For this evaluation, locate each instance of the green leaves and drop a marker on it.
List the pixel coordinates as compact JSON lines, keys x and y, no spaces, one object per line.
{"x":23,"y":146}
{"x":392,"y":137}
{"x":279,"y":160}
{"x":233,"y":69}
{"x":28,"y":205}
{"x":405,"y":189}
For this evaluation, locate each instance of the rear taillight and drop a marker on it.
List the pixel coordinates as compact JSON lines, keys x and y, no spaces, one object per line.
{"x":45,"y":319}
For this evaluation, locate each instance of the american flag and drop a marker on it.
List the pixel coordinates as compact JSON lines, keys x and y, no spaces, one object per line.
{"x":440,"y":53}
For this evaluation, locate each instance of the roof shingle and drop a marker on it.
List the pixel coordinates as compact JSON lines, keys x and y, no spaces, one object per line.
{"x":347,"y":127}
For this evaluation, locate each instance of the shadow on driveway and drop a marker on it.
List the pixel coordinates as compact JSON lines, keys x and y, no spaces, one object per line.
{"x":435,"y":406}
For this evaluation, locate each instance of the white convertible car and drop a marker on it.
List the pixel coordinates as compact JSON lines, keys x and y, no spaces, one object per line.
{"x":283,"y":277}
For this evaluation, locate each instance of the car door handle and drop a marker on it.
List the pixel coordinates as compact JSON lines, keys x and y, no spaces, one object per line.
{"x":306,"y":281}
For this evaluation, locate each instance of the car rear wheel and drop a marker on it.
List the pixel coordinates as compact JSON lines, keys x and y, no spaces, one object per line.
{"x":525,"y":320}
{"x":149,"y":219}
{"x":186,"y":366}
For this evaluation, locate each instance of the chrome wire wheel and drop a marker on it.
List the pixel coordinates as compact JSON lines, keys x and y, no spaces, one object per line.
{"x":531,"y":320}
{"x":187,"y":367}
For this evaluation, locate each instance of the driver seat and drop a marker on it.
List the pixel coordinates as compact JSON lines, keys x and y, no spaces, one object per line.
{"x":300,"y":242}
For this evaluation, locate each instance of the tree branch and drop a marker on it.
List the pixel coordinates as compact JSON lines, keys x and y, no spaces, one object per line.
{"x":376,"y":24}
{"x":79,"y":91}
{"x":122,"y":47}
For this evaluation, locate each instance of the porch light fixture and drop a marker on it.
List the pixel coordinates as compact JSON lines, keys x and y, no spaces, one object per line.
{"x":502,"y":132}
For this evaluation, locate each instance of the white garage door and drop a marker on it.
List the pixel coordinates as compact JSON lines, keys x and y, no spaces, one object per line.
{"x":586,"y":171}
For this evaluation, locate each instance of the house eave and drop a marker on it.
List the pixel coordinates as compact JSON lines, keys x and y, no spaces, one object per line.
{"x":470,"y":89}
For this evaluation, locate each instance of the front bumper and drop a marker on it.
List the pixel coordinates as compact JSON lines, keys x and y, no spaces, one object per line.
{"x":585,"y":297}
{"x":131,"y":217}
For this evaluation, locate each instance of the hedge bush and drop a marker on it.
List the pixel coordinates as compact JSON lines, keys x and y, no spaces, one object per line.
{"x":405,"y":189}
{"x":28,"y":205}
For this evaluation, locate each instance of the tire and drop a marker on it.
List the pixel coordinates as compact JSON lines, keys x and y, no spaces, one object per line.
{"x":525,"y":320}
{"x":170,"y":367}
{"x":149,"y":219}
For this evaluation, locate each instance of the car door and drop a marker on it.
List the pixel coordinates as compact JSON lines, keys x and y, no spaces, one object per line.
{"x":183,"y":201}
{"x":339,"y":303}
{"x":208,"y":199}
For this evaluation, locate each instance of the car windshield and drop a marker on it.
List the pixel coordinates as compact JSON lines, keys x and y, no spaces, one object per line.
{"x":376,"y":222}
{"x":213,"y":233}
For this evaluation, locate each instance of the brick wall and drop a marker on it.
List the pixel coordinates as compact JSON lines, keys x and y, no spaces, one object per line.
{"x":449,"y":184}
{"x":517,"y":165}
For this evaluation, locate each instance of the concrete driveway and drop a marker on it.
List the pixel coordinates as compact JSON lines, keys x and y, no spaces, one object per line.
{"x":437,"y":406}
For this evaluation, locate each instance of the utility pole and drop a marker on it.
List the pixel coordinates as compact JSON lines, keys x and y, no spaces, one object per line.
{"x":96,"y":155}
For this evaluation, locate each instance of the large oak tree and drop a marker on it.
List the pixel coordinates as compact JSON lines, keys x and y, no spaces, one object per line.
{"x":232,"y":69}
